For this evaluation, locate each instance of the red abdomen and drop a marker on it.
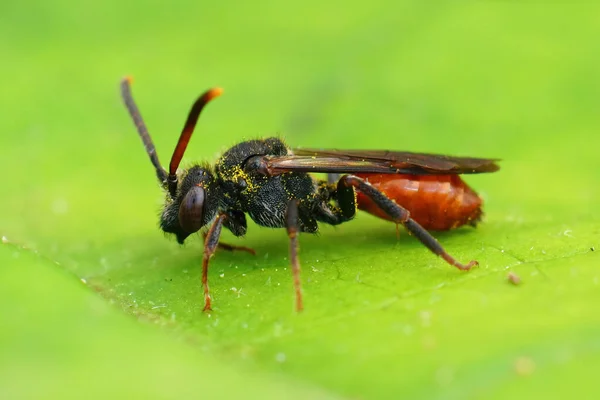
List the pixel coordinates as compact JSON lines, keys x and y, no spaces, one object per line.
{"x":436,"y":202}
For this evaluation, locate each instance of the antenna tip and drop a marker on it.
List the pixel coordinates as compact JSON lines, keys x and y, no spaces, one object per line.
{"x":214,"y":92}
{"x":127,"y":79}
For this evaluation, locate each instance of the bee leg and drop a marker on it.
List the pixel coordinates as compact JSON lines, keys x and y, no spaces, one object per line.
{"x":210,"y":245}
{"x":402,"y":216}
{"x":231,"y":247}
{"x":344,"y":208}
{"x":292,"y":224}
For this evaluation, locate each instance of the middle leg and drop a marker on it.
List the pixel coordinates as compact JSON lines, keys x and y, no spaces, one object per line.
{"x":292,"y":225}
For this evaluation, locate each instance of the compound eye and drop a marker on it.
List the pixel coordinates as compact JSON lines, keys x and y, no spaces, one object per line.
{"x":191,"y":210}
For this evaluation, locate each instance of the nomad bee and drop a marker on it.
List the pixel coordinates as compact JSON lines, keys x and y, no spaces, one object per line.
{"x":271,"y":183}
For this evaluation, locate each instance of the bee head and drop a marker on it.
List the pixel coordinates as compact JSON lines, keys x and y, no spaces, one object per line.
{"x":195,"y":205}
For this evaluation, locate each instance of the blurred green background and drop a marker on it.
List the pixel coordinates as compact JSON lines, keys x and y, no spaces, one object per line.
{"x":81,"y":253}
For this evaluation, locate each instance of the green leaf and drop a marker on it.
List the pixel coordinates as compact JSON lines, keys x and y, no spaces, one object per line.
{"x":63,"y":341}
{"x":384,"y":317}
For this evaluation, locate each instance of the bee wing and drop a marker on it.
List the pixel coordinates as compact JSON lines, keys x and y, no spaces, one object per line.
{"x":377,"y":161}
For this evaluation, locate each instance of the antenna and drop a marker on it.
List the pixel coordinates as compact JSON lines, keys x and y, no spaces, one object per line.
{"x":186,"y":134}
{"x":134,"y":112}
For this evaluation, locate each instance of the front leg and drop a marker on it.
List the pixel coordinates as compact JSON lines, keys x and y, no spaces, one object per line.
{"x":210,"y":244}
{"x":292,"y":225}
{"x":402,"y":216}
{"x":235,"y":221}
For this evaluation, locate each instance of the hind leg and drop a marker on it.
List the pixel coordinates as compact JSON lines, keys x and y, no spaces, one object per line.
{"x":401,"y":215}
